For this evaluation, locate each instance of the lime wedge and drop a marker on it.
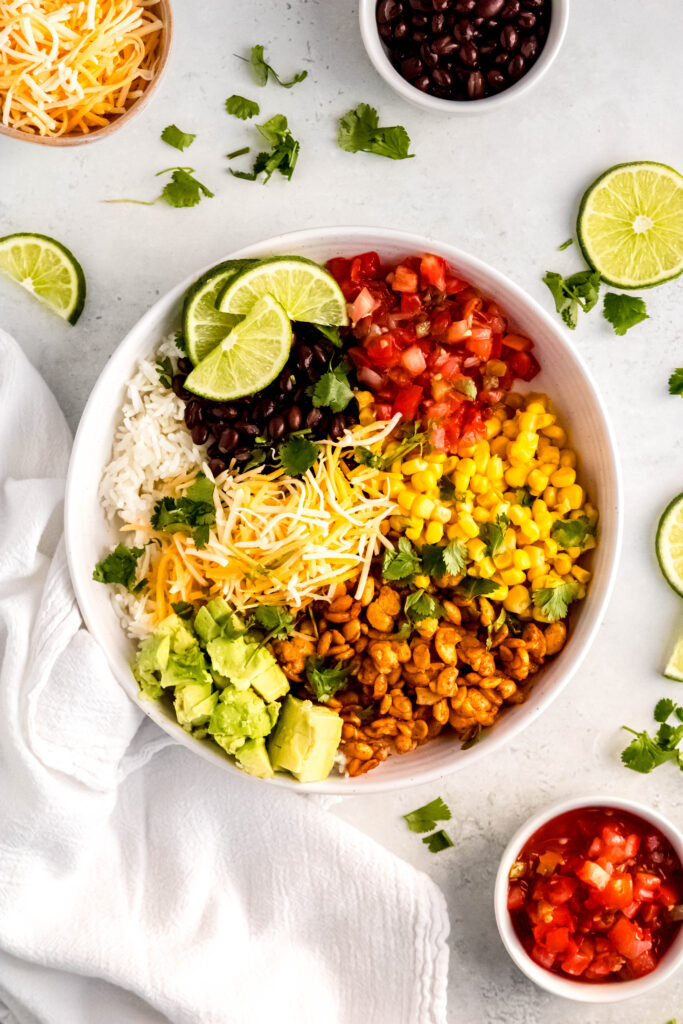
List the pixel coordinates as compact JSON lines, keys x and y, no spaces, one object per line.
{"x":46,"y":268}
{"x":630,"y":225}
{"x":669,"y":544}
{"x":249,"y":358}
{"x":303,"y":288}
{"x":203,"y":324}
{"x":674,"y":668}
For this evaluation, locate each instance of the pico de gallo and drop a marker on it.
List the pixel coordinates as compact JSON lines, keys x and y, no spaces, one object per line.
{"x":595,"y":895}
{"x":430,"y":346}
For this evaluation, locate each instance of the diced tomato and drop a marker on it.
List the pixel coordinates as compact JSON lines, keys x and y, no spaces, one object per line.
{"x":516,"y":896}
{"x":631,"y":910}
{"x":668,"y":894}
{"x":593,"y":874}
{"x":629,"y":939}
{"x":602,"y":966}
{"x":647,"y":886}
{"x":474,"y":428}
{"x":454,"y":284}
{"x":458,"y":330}
{"x":407,"y":401}
{"x":557,"y":940}
{"x":411,"y":304}
{"x":438,"y":438}
{"x":338,"y":268}
{"x":364,"y":266}
{"x":560,"y":889}
{"x":543,"y":956}
{"x":517,"y":342}
{"x":383,"y":351}
{"x":642,"y":964}
{"x":618,"y":892}
{"x":525,"y":365}
{"x":413,"y":360}
{"x":363,"y":305}
{"x":433,"y":271}
{"x":404,"y":280}
{"x":578,"y":960}
{"x":383,"y":410}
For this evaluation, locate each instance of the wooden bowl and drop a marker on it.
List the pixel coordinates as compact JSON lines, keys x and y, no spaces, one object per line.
{"x":114,"y":125}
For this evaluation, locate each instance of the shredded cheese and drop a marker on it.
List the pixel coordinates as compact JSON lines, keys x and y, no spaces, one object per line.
{"x":69,"y":68}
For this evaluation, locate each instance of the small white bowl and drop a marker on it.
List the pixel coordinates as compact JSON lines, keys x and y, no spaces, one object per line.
{"x":377,"y":53}
{"x":569,"y":988}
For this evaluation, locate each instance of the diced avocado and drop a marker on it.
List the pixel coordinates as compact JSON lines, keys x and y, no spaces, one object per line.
{"x":187,"y":666}
{"x":150,"y":661}
{"x":253,"y":758}
{"x":246,"y":664}
{"x":205,"y":625}
{"x":241,"y":715}
{"x":194,"y":703}
{"x":305,"y":740}
{"x":271,"y":683}
{"x":181,"y":636}
{"x":219,"y":610}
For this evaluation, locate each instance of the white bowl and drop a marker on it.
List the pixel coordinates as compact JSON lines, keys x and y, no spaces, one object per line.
{"x":568,"y":988}
{"x":564,"y":377}
{"x":377,"y":53}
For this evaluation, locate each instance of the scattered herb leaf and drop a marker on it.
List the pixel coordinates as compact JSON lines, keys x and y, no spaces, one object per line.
{"x":455,"y":557}
{"x":474,"y":586}
{"x":438,"y":841}
{"x":282,"y":156}
{"x":183,"y":609}
{"x":164,"y":368}
{"x":420,"y":605}
{"x":183,"y":189}
{"x":524,"y":497}
{"x":359,"y":131}
{"x":193,"y":514}
{"x":325,"y":681}
{"x":332,"y":389}
{"x":571,"y":533}
{"x":402,"y":563}
{"x":554,"y":601}
{"x":676,"y":382}
{"x":624,"y":311}
{"x":174,"y":137}
{"x":425,"y":818}
{"x":275,"y":619}
{"x":241,"y":107}
{"x":493,"y":536}
{"x":565,"y":245}
{"x":331,"y":333}
{"x":238,"y":152}
{"x":262,"y":71}
{"x":120,"y":566}
{"x":298,"y":454}
{"x":367,"y":458}
{"x":580,"y":291}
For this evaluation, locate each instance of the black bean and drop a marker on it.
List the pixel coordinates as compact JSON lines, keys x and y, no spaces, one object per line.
{"x":509,"y":38}
{"x":241,"y":454}
{"x":442,"y":79}
{"x":388,"y":10}
{"x":313,"y":419}
{"x":469,"y":55}
{"x":419,"y":36}
{"x":421,"y":5}
{"x":200,"y":433}
{"x":194,"y":414}
{"x":475,"y":85}
{"x":184,"y":366}
{"x":429,"y":58}
{"x":412,"y":68}
{"x":444,"y":45}
{"x":442,"y":5}
{"x":486,"y":49}
{"x":294,"y":418}
{"x":529,"y":47}
{"x":286,"y":381}
{"x":511,"y":9}
{"x":385,"y":30}
{"x":489,"y":8}
{"x":401,"y":30}
{"x":264,"y":409}
{"x":224,"y":412}
{"x":465,"y":6}
{"x":419,"y":21}
{"x":276,"y":427}
{"x":516,"y":67}
{"x":463,"y":30}
{"x":304,"y":357}
{"x":496,"y":80}
{"x":248,"y":430}
{"x":177,"y":382}
{"x":298,"y":395}
{"x":526,"y":19}
{"x":216,"y":466}
{"x":438,"y":24}
{"x":422,"y":83}
{"x":337,"y":426}
{"x":228,"y":439}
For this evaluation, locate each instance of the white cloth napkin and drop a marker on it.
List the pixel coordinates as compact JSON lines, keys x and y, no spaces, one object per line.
{"x":138,"y":888}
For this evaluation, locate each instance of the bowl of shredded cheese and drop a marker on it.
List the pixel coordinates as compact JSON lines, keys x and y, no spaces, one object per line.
{"x":71,"y":73}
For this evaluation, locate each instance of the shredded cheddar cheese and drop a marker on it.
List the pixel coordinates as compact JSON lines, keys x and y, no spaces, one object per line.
{"x":70,"y":67}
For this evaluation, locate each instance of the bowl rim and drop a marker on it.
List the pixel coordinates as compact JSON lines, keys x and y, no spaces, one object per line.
{"x":378,"y":57}
{"x":576,"y":990}
{"x":62,"y":141}
{"x":335,"y":235}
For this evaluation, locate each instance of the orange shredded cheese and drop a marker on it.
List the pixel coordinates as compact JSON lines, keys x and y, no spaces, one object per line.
{"x":70,"y":67}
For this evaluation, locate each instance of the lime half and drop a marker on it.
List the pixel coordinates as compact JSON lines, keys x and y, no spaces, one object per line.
{"x":674,"y":668}
{"x":249,"y":358}
{"x":46,"y":268}
{"x":630,"y":225}
{"x":204,"y":326}
{"x":669,"y":544}
{"x":304,"y":290}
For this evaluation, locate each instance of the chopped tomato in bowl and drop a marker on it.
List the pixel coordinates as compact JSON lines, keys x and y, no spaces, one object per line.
{"x":429,"y":346}
{"x":589,"y":899}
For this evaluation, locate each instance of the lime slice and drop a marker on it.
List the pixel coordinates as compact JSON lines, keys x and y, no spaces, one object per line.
{"x":674,"y":668}
{"x":249,"y":358}
{"x":669,"y":544}
{"x":303,"y":288}
{"x":203,"y":324}
{"x":630,"y":225}
{"x":46,"y":268}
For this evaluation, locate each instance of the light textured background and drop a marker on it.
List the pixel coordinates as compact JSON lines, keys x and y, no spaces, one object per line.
{"x":503,"y":186}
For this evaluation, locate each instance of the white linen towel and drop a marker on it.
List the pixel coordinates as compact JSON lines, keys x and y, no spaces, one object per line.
{"x":138,"y":888}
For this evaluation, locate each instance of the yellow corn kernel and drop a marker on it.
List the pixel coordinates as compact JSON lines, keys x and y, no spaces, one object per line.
{"x":510,"y":429}
{"x":537,"y":481}
{"x":365,"y":417}
{"x":397,"y":523}
{"x":482,"y":454}
{"x":516,"y":476}
{"x":563,"y":477}
{"x":494,"y":469}
{"x":493,"y":427}
{"x":591,"y":513}
{"x":503,"y":560}
{"x":466,"y":466}
{"x":421,"y":581}
{"x":568,"y":458}
{"x":536,"y":556}
{"x":451,"y":463}
{"x":468,"y":525}
{"x":536,"y":572}
{"x":422,"y":507}
{"x":540,"y":581}
{"x":488,"y":500}
{"x":455,"y":532}
{"x":394,"y":487}
{"x":433,"y":533}
{"x":406,"y":499}
{"x":415,"y":465}
{"x":556,"y":434}
{"x":529,"y":530}
{"x":573,"y":495}
{"x":549,"y":453}
{"x":536,"y":405}
{"x":441,"y":514}
{"x":551,"y":547}
{"x":364,"y":399}
{"x":499,"y":445}
{"x":528,"y":440}
{"x":480,"y":514}
{"x":461,"y":481}
{"x":527,"y":421}
{"x":510,"y":539}
{"x":437,"y":458}
{"x":518,"y":599}
{"x":518,"y":456}
{"x":546,"y":420}
{"x":562,"y":564}
{"x":561,"y":508}
{"x":413,"y":533}
{"x":486,"y":568}
{"x":580,"y":574}
{"x":550,"y":497}
{"x":476,"y":549}
{"x":396,"y":467}
{"x":511,"y":577}
{"x":479,"y":484}
{"x":425,"y":480}
{"x":520,"y":559}
{"x":516,"y":514}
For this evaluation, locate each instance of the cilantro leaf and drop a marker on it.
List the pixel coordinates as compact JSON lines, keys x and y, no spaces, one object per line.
{"x":624,"y":311}
{"x":325,"y":681}
{"x":282,"y":156}
{"x":402,"y":563}
{"x":554,"y":601}
{"x":359,"y":131}
{"x":580,"y":291}
{"x":298,"y":454}
{"x":424,"y":819}
{"x":565,"y":245}
{"x":571,"y":533}
{"x":183,"y":189}
{"x":120,"y":567}
{"x":493,"y":536}
{"x":262,"y":71}
{"x":438,"y":841}
{"x":365,"y":457}
{"x":174,"y":137}
{"x":183,"y":609}
{"x":420,"y":605}
{"x":524,"y":497}
{"x":193,"y":514}
{"x":446,"y":489}
{"x":643,"y":753}
{"x":164,"y":368}
{"x":432,"y":560}
{"x":407,"y":444}
{"x":455,"y":557}
{"x":474,"y":586}
{"x":676,"y":382}
{"x":275,"y":619}
{"x":331,"y":333}
{"x":332,"y":389}
{"x":241,"y":107}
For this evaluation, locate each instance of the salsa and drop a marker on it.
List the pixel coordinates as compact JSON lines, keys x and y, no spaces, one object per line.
{"x":595,"y":894}
{"x":429,"y":346}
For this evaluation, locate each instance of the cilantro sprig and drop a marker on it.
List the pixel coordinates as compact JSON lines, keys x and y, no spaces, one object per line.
{"x":420,"y":605}
{"x":425,"y":818}
{"x":277,"y":620}
{"x":181,"y":191}
{"x":298,"y":454}
{"x":241,"y":107}
{"x":417,"y":439}
{"x":579,"y":291}
{"x":192,"y":514}
{"x":332,"y":389}
{"x":435,"y":560}
{"x":475,"y":586}
{"x":623,"y":311}
{"x":554,"y":601}
{"x":645,"y":752}
{"x":572,"y":533}
{"x":121,"y":566}
{"x":676,"y":382}
{"x":263,"y":71}
{"x":173,"y":136}
{"x":164,"y":368}
{"x":325,"y":681}
{"x":359,"y":131}
{"x":282,"y":155}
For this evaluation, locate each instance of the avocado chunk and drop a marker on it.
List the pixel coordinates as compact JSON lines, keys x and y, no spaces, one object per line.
{"x":205,"y":625}
{"x":194,"y":704}
{"x":181,"y":636}
{"x":241,"y":715}
{"x":188,"y":666}
{"x":305,"y":740}
{"x":150,"y":661}
{"x":246,"y":664}
{"x":253,"y":758}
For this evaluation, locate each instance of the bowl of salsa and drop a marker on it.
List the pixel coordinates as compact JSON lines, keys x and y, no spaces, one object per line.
{"x":589,"y":899}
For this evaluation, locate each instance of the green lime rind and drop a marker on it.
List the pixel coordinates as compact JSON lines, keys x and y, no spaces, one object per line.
{"x":46,"y":269}
{"x":303,"y":288}
{"x":204,"y":326}
{"x":674,"y":668}
{"x":623,"y":257}
{"x":249,"y":358}
{"x":669,"y":544}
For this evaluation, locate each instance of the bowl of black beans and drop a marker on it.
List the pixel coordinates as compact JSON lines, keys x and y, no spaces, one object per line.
{"x":462,"y":56}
